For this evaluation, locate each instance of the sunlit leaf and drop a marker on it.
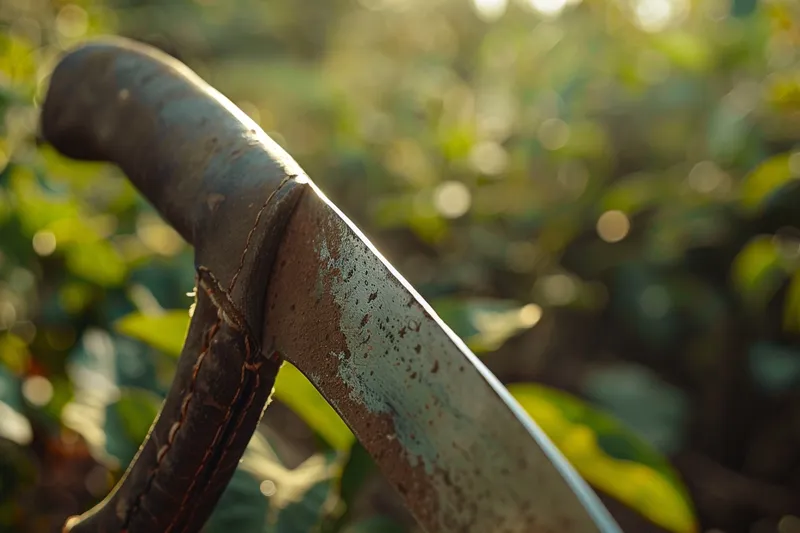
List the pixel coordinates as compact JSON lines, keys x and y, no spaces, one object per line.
{"x":765,"y":180}
{"x":685,"y":50}
{"x":97,"y":261}
{"x":300,"y":499}
{"x":784,"y":91}
{"x":634,"y":474}
{"x":14,"y":353}
{"x":632,"y":194}
{"x":485,"y":324}
{"x":165,"y":332}
{"x":757,"y":271}
{"x":293,"y":389}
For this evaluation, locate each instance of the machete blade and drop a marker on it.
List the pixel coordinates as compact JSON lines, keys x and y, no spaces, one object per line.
{"x":442,"y":428}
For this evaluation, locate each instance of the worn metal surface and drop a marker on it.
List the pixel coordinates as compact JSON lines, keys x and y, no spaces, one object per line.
{"x":443,"y":430}
{"x":280,"y":268}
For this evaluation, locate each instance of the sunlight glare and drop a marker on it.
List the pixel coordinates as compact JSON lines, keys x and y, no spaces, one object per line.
{"x":548,"y":7}
{"x":490,"y":10}
{"x":655,"y":15}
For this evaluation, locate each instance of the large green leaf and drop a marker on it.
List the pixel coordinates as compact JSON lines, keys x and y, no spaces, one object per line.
{"x":165,"y":332}
{"x":300,"y":500}
{"x":609,"y":456}
{"x":293,"y":389}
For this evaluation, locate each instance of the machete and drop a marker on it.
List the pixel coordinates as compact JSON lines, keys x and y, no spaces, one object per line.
{"x":282,"y":273}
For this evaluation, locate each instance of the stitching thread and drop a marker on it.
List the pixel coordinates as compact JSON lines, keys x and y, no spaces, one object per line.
{"x":248,"y":365}
{"x":162,"y":451}
{"x":253,"y":230}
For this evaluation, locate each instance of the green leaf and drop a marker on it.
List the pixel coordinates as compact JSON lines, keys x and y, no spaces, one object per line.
{"x":765,"y":180}
{"x":357,"y":469}
{"x":242,"y":507}
{"x":300,"y":500}
{"x":485,"y":324}
{"x":127,"y":422}
{"x":97,"y":261}
{"x":757,"y":271}
{"x":293,"y":389}
{"x":633,"y":194}
{"x":685,"y":50}
{"x":609,"y":456}
{"x":165,"y":332}
{"x":14,"y":354}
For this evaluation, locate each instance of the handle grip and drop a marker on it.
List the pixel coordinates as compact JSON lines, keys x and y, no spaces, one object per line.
{"x":176,"y":137}
{"x":230,"y":191}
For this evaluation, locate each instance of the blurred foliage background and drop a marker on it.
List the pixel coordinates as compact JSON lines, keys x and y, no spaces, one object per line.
{"x":597,"y":195}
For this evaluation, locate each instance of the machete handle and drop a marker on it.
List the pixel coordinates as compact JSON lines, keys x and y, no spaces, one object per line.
{"x":173,"y":135}
{"x":229,"y":190}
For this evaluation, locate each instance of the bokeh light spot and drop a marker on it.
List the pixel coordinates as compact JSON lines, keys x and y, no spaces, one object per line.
{"x":613,"y":226}
{"x":548,"y":7}
{"x":559,"y":289}
{"x":490,"y":10}
{"x":452,"y":199}
{"x":529,"y":315}
{"x":44,"y":243}
{"x":706,"y":177}
{"x":8,"y":314}
{"x":268,"y":488}
{"x":655,"y":15}
{"x":37,"y":390}
{"x":72,"y":21}
{"x":553,"y":133}
{"x":489,"y":158}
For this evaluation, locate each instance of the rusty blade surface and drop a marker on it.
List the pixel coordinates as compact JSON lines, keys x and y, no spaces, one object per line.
{"x":444,"y":431}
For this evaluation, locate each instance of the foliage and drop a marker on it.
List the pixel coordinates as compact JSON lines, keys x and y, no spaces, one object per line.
{"x":580,"y":188}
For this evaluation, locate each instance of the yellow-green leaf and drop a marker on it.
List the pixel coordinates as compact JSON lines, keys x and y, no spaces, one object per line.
{"x":754,"y":270}
{"x":97,"y":261}
{"x":609,"y":456}
{"x":293,"y":389}
{"x":164,"y":332}
{"x":764,"y":180}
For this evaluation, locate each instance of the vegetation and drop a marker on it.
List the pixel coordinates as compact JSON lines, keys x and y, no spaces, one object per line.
{"x":596,"y":195}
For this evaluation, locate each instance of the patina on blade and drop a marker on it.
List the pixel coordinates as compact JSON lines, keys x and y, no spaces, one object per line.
{"x":444,"y":431}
